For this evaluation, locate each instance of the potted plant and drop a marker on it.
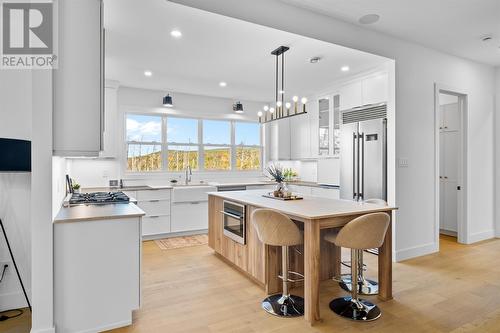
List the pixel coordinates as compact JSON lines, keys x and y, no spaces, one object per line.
{"x":76,"y":188}
{"x":275,"y":172}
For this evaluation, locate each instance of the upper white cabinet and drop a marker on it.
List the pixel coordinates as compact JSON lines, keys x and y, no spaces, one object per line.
{"x":375,"y":89}
{"x":300,"y":138}
{"x":351,"y":95}
{"x":450,"y":117}
{"x":78,"y":119}
{"x":110,"y":134}
{"x":279,"y":139}
{"x":369,"y":90}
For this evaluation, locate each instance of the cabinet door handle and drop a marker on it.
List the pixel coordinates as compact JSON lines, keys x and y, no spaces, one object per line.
{"x":154,"y":216}
{"x":195,"y":203}
{"x":154,"y":200}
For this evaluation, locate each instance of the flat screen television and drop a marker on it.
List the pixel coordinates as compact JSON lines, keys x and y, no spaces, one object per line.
{"x":15,"y":155}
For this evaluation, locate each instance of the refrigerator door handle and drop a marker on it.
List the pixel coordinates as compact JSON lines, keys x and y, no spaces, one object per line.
{"x":354,"y":194}
{"x":362,"y":166}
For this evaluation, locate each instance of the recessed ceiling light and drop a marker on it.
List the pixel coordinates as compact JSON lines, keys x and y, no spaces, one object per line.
{"x":222,"y":84}
{"x":369,"y":19}
{"x":344,"y":68}
{"x":176,"y":33}
{"x":148,"y":73}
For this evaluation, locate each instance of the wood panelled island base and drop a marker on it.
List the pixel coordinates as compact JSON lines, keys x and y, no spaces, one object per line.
{"x":316,"y":259}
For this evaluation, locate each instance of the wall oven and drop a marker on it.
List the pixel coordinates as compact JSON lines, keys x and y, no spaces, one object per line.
{"x":234,"y":221}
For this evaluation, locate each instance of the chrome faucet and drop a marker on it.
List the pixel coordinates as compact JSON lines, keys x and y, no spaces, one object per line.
{"x":189,"y":173}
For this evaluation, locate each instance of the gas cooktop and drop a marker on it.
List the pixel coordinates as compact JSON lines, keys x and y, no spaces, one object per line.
{"x":98,"y":198}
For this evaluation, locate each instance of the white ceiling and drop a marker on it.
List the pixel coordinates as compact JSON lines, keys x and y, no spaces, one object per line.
{"x":215,"y":48}
{"x":452,"y":26}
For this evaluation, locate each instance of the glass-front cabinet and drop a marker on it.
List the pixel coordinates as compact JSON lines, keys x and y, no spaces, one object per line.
{"x":329,"y":125}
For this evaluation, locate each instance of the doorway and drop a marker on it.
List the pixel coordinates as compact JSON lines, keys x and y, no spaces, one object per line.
{"x":451,"y":164}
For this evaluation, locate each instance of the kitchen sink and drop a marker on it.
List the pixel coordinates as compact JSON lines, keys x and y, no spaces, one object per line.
{"x":191,"y":192}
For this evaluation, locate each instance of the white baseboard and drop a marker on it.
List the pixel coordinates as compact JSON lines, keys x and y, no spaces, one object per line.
{"x":416,"y":251}
{"x":13,"y":300}
{"x":119,"y":324}
{"x":174,"y":234}
{"x":44,"y":330}
{"x":480,"y":236}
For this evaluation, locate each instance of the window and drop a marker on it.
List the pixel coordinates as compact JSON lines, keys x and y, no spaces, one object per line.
{"x":169,"y":143}
{"x":248,"y":146}
{"x":144,"y":137}
{"x":182,"y":139}
{"x":217,"y":145}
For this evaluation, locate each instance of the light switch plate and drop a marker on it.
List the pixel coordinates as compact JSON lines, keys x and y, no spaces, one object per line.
{"x":403,"y":163}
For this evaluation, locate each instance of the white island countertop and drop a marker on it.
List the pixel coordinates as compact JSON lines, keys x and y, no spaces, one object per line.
{"x":98,"y":212}
{"x":310,"y":208}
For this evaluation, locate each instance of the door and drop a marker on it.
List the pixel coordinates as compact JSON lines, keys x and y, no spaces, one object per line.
{"x":373,"y":157}
{"x":348,"y":160}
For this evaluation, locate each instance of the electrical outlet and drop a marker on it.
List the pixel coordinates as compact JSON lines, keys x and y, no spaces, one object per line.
{"x":403,"y":163}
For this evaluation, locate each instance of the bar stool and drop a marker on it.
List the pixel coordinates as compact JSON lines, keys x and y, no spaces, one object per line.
{"x":364,"y":232}
{"x":276,"y":229}
{"x":365,"y":286}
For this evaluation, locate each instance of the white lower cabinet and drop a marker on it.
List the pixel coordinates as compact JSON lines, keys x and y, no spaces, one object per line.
{"x":155,"y":225}
{"x":330,"y":193}
{"x":189,"y":216}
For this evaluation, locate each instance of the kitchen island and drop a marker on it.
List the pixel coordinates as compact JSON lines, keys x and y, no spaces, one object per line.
{"x":320,"y":260}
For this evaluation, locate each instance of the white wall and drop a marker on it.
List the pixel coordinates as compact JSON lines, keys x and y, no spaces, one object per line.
{"x":98,"y":172}
{"x":497,"y":152}
{"x":15,"y":122}
{"x":417,"y":69}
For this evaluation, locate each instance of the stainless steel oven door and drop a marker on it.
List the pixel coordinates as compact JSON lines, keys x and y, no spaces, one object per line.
{"x":234,"y":221}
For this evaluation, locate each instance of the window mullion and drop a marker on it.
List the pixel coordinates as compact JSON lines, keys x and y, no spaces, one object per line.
{"x":201,"y":150}
{"x":233,"y":146}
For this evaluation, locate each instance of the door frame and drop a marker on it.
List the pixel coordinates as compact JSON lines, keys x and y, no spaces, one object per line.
{"x":463,"y":228}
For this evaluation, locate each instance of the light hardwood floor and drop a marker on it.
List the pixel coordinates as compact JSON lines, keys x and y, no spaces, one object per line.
{"x":191,"y":290}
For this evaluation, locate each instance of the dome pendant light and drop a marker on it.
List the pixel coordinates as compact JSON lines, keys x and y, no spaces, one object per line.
{"x":167,"y":101}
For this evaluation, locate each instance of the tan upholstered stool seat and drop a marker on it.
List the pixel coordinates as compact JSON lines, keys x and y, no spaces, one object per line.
{"x":276,"y":229}
{"x":364,"y":232}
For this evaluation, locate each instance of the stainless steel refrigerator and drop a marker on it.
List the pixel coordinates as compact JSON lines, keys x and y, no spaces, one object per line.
{"x":363,"y":153}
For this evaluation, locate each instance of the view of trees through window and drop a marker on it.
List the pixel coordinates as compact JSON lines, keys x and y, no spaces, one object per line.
{"x":209,"y":145}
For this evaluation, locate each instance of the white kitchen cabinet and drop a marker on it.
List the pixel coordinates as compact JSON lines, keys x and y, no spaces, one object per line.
{"x":155,"y":225}
{"x":155,"y":207}
{"x":330,"y":193}
{"x":97,"y":273}
{"x":156,"y":203}
{"x":351,"y":95}
{"x":375,"y":89}
{"x":78,"y":115}
{"x":279,"y":139}
{"x":189,"y":216}
{"x":448,"y":179}
{"x":450,"y":117}
{"x":110,"y":134}
{"x":300,"y":139}
{"x":299,"y":189}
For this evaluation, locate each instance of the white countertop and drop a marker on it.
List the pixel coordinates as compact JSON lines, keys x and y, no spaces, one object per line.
{"x":310,"y":207}
{"x":98,"y":212}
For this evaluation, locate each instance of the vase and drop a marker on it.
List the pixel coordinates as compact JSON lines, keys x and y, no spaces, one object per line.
{"x":281,"y":189}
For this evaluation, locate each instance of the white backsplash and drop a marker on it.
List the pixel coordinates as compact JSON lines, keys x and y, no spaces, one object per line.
{"x":307,"y":170}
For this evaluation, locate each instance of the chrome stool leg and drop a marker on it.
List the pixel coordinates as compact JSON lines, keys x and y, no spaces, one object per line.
{"x":353,"y":307}
{"x":284,"y":304}
{"x":365,"y":286}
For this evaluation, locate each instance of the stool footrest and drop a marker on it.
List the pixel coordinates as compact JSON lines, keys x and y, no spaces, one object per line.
{"x":301,"y":277}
